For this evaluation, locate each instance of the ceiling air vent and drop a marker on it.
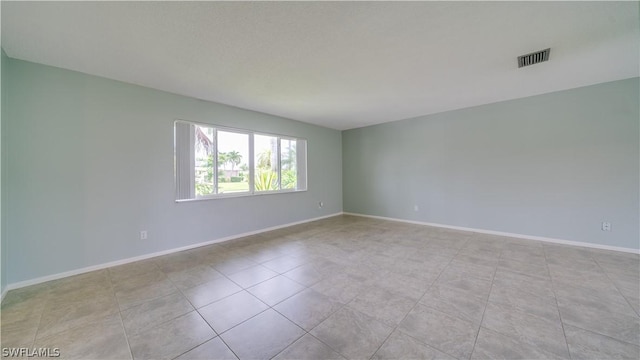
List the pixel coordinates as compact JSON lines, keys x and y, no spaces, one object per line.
{"x":533,"y":58}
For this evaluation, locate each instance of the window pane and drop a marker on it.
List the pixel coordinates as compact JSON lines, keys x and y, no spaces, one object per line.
{"x":209,"y":161}
{"x":266,"y":162}
{"x":288,"y":163}
{"x":233,"y":162}
{"x":204,"y":150}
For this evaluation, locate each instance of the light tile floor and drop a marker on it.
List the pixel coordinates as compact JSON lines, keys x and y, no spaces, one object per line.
{"x":344,"y":287}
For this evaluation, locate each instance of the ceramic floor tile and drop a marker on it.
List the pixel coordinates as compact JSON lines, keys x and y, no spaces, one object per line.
{"x":480,"y":271}
{"x":304,"y":274}
{"x":628,"y":285}
{"x":616,"y":258}
{"x":601,"y":300}
{"x":264,"y":254}
{"x":587,"y":345}
{"x":573,"y":263}
{"x":446,"y":333}
{"x":342,"y":288}
{"x":308,"y":348}
{"x":194,"y":276}
{"x":455,"y":303}
{"x":361,"y":268}
{"x":95,"y":280}
{"x":103,"y":338}
{"x":419,"y":269}
{"x":463,"y":282}
{"x":138,"y":295}
{"x":621,"y":327}
{"x":276,"y":289}
{"x":382,"y":305}
{"x":352,"y":333}
{"x":621,"y":269}
{"x":480,"y":245}
{"x":20,"y":317}
{"x":401,"y":346}
{"x":138,"y":280}
{"x":155,"y":312}
{"x":308,"y":308}
{"x":537,"y":268}
{"x":591,"y":279}
{"x":526,"y":328}
{"x":634,"y":302}
{"x":525,"y":301}
{"x":61,"y":316}
{"x":441,"y":247}
{"x":524,"y":253}
{"x":630,"y":289}
{"x":327,"y":267}
{"x":232,"y":265}
{"x":84,"y":294}
{"x":258,"y":338}
{"x":177,"y":262}
{"x":232,"y":310}
{"x":19,"y":334}
{"x":212,"y":349}
{"x":207,"y":293}
{"x":524,"y":283}
{"x":567,"y":252}
{"x":34,"y":295}
{"x":172,"y":338}
{"x":492,"y":345}
{"x":123,"y":272}
{"x":470,"y":258}
{"x":342,"y":278}
{"x":252,"y":276}
{"x":284,"y":263}
{"x":407,"y":286}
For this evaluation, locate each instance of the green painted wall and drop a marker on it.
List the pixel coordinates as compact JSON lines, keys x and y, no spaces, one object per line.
{"x":554,"y":165}
{"x":91,"y":164}
{"x":4,"y":66}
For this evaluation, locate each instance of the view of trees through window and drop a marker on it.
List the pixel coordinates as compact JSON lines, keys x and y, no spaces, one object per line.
{"x":233,"y":162}
{"x":266,"y":163}
{"x":221,"y":162}
{"x":288,"y":163}
{"x":204,"y":151}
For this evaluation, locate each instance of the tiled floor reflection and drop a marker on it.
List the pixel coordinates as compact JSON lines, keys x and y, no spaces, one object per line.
{"x":343,"y":287}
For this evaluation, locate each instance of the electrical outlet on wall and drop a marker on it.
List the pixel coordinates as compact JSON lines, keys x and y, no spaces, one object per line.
{"x":416,"y":208}
{"x":320,"y":204}
{"x":143,"y":235}
{"x":606,"y":226}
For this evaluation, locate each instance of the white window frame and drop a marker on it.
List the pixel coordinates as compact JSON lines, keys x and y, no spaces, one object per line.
{"x":215,"y":162}
{"x":302,"y":183}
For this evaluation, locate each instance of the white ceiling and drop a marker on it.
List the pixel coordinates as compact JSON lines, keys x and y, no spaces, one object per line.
{"x":335,"y":64}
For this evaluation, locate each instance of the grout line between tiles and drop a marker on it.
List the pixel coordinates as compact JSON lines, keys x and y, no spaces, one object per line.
{"x":418,"y":302}
{"x":124,"y":330}
{"x":486,"y":304}
{"x":35,"y":336}
{"x":555,"y":296}
{"x":615,"y":285}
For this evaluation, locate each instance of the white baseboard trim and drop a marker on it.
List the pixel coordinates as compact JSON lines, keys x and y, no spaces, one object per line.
{"x":61,"y":275}
{"x":501,"y":233}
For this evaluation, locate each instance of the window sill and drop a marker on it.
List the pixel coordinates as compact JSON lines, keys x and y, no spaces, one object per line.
{"x":239,"y":195}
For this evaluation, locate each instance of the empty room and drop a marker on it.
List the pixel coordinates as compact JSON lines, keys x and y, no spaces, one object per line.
{"x":320,"y":180}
